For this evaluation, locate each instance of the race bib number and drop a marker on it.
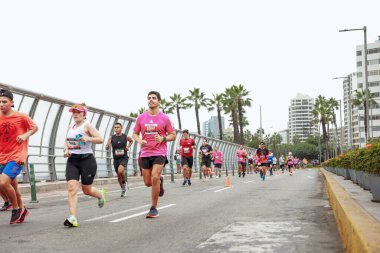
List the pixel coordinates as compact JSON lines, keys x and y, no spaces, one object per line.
{"x":73,"y":143}
{"x":186,"y":150}
{"x":119,"y":151}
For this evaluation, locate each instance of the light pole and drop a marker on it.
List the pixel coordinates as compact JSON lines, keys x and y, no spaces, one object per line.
{"x":350,"y":137}
{"x":366,"y":118}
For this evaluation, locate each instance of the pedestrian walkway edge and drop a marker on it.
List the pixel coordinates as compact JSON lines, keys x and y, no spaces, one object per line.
{"x":359,"y":230}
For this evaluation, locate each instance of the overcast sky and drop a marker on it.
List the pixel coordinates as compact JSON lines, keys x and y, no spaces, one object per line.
{"x":109,"y":54}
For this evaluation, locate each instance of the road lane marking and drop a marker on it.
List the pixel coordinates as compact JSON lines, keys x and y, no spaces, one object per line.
{"x":225,"y":188}
{"x":139,"y":214}
{"x":117,"y":213}
{"x":113,"y":191}
{"x":209,"y":189}
{"x":249,"y":181}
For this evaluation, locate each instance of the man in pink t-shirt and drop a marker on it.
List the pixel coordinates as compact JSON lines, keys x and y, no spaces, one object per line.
{"x":156,"y":129}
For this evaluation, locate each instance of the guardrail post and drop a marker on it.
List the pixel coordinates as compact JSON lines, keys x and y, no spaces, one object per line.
{"x":33,"y":190}
{"x":172,"y":174}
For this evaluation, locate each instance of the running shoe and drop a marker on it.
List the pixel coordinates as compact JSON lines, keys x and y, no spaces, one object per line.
{"x":71,"y":221}
{"x":189,"y":182}
{"x":153,"y":213}
{"x":123,"y":190}
{"x":24,"y":214}
{"x":162,"y":190}
{"x":16,"y":216}
{"x":7,"y":205}
{"x":184,"y":182}
{"x":102,"y":200}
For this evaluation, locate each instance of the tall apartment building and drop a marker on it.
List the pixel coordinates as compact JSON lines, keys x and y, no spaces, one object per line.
{"x":284,"y":136}
{"x":210,"y":127}
{"x":373,"y":68}
{"x":300,"y":117}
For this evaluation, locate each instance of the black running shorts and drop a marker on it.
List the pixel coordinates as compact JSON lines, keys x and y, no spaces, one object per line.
{"x":81,"y":166}
{"x":147,"y":162}
{"x":219,"y":166}
{"x":206,"y":162}
{"x":187,"y":161}
{"x":120,"y":161}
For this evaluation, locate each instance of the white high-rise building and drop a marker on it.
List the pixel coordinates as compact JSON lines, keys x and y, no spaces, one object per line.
{"x":373,"y":68}
{"x":301,"y":117}
{"x":210,"y":128}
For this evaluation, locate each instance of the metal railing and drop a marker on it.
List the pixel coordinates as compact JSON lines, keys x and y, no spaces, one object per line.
{"x":53,"y":118}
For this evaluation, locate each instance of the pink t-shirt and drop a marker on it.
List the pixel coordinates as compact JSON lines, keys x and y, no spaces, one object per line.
{"x":241,"y":155}
{"x":218,"y":157}
{"x":150,"y":125}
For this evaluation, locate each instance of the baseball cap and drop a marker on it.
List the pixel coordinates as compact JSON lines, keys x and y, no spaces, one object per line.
{"x":78,"y":107}
{"x":6,"y":93}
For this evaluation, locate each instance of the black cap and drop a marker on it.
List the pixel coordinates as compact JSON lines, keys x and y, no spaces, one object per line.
{"x":185,"y":131}
{"x":6,"y":93}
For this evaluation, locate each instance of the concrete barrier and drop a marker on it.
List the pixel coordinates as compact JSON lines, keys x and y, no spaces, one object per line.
{"x":360,"y":231}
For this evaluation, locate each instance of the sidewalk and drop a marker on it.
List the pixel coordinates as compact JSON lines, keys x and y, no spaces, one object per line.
{"x":357,"y":217}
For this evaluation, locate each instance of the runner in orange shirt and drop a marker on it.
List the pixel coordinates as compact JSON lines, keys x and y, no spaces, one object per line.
{"x":15,"y":129}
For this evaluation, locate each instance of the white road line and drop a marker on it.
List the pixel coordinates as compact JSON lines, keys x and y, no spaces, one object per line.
{"x":139,"y":214}
{"x":82,"y":196}
{"x":208,"y":189}
{"x":113,"y":214}
{"x":225,"y":188}
{"x":249,"y":181}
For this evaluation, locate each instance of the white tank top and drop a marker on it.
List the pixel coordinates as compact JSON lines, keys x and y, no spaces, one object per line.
{"x":75,"y":146}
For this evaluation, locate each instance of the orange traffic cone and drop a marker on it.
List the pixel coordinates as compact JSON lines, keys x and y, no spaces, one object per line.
{"x":228,"y":183}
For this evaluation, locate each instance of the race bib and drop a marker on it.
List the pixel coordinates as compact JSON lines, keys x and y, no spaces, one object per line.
{"x":73,"y":143}
{"x":119,"y":151}
{"x":186,"y":150}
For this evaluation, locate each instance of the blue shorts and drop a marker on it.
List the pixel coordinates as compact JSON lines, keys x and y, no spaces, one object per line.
{"x":11,"y":169}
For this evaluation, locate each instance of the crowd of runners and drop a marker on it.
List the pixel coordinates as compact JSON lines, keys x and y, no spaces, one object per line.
{"x":152,"y":131}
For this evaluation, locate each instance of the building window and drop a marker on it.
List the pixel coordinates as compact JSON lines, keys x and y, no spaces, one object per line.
{"x":358,"y":64}
{"x":359,"y":74}
{"x":358,"y":53}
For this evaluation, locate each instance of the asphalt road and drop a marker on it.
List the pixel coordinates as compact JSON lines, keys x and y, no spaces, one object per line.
{"x":282,"y":214}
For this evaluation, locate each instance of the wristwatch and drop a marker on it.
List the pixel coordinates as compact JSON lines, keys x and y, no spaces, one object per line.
{"x":164,"y":139}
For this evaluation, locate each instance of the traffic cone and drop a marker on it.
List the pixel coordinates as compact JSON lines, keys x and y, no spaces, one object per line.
{"x":228,"y":183}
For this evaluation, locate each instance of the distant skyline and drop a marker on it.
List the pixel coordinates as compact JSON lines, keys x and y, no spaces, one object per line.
{"x":111,"y":54}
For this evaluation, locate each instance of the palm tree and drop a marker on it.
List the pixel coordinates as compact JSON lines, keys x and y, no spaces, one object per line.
{"x":141,"y":110}
{"x":242,"y":101}
{"x":217,"y":103}
{"x":178,"y":103}
{"x":198,"y":99}
{"x":230,"y":106}
{"x":166,"y":107}
{"x":360,"y":100}
{"x":321,"y":114}
{"x":334,"y":105}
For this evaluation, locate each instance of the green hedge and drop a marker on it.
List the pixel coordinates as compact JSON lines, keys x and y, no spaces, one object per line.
{"x":366,"y":159}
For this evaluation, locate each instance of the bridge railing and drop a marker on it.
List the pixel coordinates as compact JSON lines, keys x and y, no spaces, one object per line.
{"x":53,"y":119}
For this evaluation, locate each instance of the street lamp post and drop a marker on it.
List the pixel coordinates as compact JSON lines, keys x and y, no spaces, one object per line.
{"x":364,"y":29}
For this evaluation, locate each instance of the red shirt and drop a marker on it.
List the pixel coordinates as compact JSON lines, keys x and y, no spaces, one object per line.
{"x":11,"y":127}
{"x":187,"y":147}
{"x":262,"y":154}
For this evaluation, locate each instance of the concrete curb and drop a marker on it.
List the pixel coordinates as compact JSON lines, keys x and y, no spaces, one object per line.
{"x":62,"y":185}
{"x":359,"y":231}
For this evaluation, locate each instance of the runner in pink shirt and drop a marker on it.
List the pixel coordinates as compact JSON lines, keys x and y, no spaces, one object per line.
{"x":156,"y":129}
{"x":217,"y":157}
{"x":242,"y":157}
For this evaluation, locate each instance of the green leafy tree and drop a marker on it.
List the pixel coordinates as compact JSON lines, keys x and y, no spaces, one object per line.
{"x":359,"y":100}
{"x":197,"y":99}
{"x":216,"y":103}
{"x":177,"y":103}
